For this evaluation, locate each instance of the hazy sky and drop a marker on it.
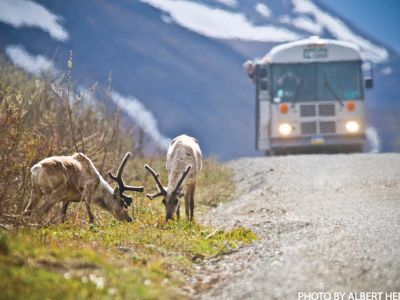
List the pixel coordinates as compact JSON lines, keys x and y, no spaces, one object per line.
{"x":380,"y":18}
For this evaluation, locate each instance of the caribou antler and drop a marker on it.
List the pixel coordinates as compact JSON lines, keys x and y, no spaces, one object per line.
{"x":118,"y":178}
{"x":161,"y":190}
{"x":184,"y":174}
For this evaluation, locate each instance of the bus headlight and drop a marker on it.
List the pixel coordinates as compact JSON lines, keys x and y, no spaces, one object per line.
{"x":285,"y":129}
{"x":352,"y":126}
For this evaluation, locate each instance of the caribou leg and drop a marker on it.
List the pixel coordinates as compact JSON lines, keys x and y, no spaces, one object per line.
{"x":187,"y":200}
{"x":51,"y":199}
{"x":36,"y":194}
{"x":178,"y":213}
{"x":89,"y":211}
{"x":87,"y":198}
{"x":63,"y":211}
{"x":192,"y":189}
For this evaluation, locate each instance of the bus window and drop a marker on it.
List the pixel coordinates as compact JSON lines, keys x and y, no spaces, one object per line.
{"x":264,"y":85}
{"x":262,"y":71}
{"x":293,"y":82}
{"x":339,"y":80}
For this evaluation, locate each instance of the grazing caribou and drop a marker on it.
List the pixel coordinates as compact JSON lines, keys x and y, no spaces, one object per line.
{"x":184,"y":161}
{"x":62,"y":179}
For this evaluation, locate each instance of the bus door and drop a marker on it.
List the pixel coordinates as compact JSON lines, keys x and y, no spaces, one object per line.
{"x":263,"y":107}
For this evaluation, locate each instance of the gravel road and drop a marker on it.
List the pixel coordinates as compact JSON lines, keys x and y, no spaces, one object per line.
{"x":325,"y":222}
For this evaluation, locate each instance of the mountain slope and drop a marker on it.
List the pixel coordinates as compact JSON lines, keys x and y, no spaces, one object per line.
{"x":182,"y":59}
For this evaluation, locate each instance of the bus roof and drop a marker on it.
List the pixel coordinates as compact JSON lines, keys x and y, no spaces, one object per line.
{"x":313,"y":49}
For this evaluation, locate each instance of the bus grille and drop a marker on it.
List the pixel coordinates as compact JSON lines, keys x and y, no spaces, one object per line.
{"x":308,"y":128}
{"x":327,"y":127}
{"x":307,"y":110}
{"x":326,"y":110}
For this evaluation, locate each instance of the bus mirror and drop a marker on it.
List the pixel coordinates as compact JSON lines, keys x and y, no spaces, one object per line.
{"x":369,"y":80}
{"x":369,"y":83}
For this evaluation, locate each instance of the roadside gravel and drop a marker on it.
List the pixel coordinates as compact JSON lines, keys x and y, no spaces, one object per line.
{"x":325,"y":223}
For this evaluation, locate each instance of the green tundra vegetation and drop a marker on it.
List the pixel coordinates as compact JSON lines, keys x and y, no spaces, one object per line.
{"x":145,"y":259}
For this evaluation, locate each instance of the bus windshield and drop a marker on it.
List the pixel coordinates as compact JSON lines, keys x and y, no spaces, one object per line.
{"x":316,"y":82}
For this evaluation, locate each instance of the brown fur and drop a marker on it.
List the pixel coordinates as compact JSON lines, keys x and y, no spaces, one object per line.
{"x":62,"y":179}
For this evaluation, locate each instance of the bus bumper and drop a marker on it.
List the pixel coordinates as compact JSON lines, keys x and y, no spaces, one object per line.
{"x":336,"y":142}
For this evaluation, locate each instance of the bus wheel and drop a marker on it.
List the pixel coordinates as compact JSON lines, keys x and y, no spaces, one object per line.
{"x":351,"y":149}
{"x":269,"y":152}
{"x":357,"y":149}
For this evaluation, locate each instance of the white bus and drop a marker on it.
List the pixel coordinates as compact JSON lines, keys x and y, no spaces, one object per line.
{"x":310,"y":97}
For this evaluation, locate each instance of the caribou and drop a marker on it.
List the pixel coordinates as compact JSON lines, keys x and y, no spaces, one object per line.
{"x":65,"y":179}
{"x":184,"y":161}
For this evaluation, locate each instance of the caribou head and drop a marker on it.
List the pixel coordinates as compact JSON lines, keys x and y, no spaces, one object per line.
{"x":122,"y":187}
{"x":170,"y":198}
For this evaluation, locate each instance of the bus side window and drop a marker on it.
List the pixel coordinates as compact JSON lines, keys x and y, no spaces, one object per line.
{"x":264,"y":85}
{"x":262,"y":72}
{"x":262,"y":76}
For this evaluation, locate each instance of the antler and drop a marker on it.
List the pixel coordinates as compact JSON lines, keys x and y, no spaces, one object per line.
{"x":184,"y":174}
{"x":161,"y":190}
{"x":120,"y":181}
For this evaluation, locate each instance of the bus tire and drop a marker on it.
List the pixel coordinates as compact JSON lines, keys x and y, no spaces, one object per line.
{"x":269,"y":152}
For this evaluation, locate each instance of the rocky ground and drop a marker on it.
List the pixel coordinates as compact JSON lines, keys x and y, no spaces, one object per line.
{"x":325,"y":223}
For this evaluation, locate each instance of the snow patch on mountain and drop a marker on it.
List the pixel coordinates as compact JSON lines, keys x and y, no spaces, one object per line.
{"x":263,"y":10}
{"x":387,"y":71}
{"x":285,"y":19}
{"x":340,"y":30}
{"x":167,"y":19}
{"x":142,"y":116}
{"x":219,"y":23}
{"x":230,"y":3}
{"x":373,"y":140}
{"x":307,"y":24}
{"x":19,"y":13}
{"x":36,"y":65}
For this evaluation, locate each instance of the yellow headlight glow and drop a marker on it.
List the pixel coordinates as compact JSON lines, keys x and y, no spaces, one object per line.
{"x":352,"y":126}
{"x":285,"y":129}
